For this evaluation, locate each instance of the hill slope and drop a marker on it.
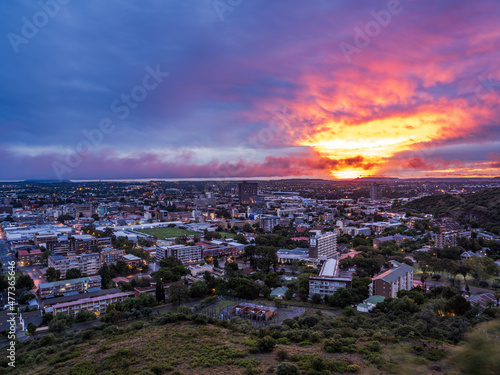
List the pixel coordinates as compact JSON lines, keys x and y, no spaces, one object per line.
{"x":483,"y":206}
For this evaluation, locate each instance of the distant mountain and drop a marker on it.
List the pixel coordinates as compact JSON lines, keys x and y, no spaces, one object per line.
{"x":482,"y":206}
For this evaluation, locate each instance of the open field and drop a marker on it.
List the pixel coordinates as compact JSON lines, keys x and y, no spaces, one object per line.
{"x":227,"y":234}
{"x":163,"y":233}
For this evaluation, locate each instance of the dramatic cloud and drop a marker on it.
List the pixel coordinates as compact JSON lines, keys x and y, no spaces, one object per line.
{"x":326,"y":89}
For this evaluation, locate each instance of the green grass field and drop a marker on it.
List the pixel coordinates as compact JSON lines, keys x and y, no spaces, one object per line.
{"x":163,"y":233}
{"x":227,"y":234}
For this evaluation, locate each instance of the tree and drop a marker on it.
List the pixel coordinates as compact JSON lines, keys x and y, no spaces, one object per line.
{"x":84,"y":316}
{"x":63,"y":218}
{"x":178,"y":293}
{"x":241,"y":239}
{"x":26,"y":297}
{"x":95,"y":217}
{"x":31,"y":328}
{"x":341,"y":298}
{"x":198,"y":289}
{"x":272,"y":280}
{"x":59,"y":323}
{"x":52,"y":274}
{"x":159,"y":292}
{"x":463,"y":269}
{"x":316,"y":298}
{"x":24,"y":281}
{"x":73,"y":273}
{"x":106,"y":278}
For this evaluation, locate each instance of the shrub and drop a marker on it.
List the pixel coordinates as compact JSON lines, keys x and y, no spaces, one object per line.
{"x":287,"y":369}
{"x":373,"y":346}
{"x":266,"y":344}
{"x":484,"y":283}
{"x":282,"y":354}
{"x":435,"y":354}
{"x":283,"y":341}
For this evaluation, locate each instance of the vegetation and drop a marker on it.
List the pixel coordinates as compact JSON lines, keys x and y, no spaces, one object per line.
{"x":478,"y":209}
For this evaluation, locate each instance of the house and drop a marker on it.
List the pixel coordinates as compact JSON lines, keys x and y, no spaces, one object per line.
{"x":388,"y":284}
{"x":279,"y":292}
{"x":33,"y":317}
{"x":470,"y":254}
{"x":369,"y":304}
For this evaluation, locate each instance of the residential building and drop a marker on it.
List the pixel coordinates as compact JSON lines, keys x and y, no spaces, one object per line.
{"x":110,"y":255}
{"x":323,"y":245}
{"x":186,"y":254}
{"x":25,"y":257}
{"x":80,"y":285}
{"x":268,"y":222}
{"x":446,"y":239}
{"x":96,"y":305}
{"x":328,"y":280}
{"x":388,"y":284}
{"x":88,"y":264}
{"x":81,"y":243}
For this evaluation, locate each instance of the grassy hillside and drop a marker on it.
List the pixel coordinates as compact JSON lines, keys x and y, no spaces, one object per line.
{"x":175,"y":343}
{"x":483,"y":206}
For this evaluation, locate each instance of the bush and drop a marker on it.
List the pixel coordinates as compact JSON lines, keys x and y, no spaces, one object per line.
{"x":436,"y":276}
{"x":266,"y":344}
{"x":287,"y":369}
{"x":283,"y":341}
{"x":484,"y":283}
{"x":435,"y":354}
{"x":282,"y":354}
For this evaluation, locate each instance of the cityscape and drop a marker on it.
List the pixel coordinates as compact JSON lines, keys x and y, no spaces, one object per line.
{"x":249,"y":187}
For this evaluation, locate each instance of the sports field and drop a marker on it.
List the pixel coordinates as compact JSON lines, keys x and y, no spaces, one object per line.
{"x":163,"y":233}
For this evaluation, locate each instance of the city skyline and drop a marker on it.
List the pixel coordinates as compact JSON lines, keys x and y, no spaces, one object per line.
{"x":242,"y":90}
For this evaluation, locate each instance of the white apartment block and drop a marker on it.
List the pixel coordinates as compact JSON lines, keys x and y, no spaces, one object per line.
{"x":323,"y":245}
{"x":186,"y":254}
{"x":88,"y":264}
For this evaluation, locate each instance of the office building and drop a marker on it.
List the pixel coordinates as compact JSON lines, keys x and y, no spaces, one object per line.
{"x":247,"y":190}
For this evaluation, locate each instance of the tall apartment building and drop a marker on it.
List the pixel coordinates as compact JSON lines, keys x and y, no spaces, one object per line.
{"x":84,"y":210}
{"x":374,"y":191}
{"x":88,"y":264}
{"x":328,"y":280}
{"x":323,"y":245}
{"x":247,"y":190}
{"x":267,"y":223}
{"x":186,"y":254}
{"x":446,"y":239}
{"x":388,"y":284}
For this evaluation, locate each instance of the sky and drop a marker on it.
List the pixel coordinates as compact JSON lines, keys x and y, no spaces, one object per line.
{"x":249,"y":88}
